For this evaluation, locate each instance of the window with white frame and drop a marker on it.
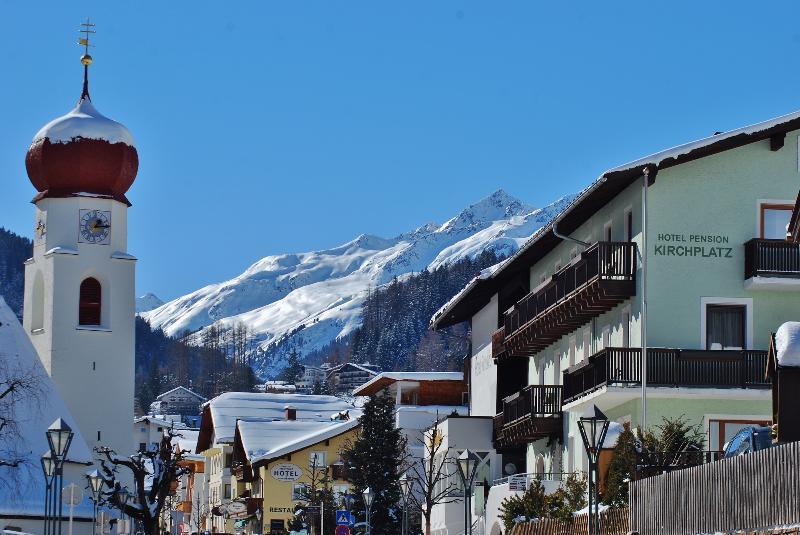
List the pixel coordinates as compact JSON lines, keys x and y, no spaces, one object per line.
{"x":316,"y":459}
{"x":299,"y":492}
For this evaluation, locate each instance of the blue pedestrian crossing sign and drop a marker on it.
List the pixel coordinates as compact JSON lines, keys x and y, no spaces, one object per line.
{"x":343,"y":518}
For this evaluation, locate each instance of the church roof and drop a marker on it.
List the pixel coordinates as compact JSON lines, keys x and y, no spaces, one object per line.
{"x":22,"y":488}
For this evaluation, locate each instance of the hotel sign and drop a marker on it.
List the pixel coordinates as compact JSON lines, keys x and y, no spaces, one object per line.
{"x":286,"y":472}
{"x":693,"y":245}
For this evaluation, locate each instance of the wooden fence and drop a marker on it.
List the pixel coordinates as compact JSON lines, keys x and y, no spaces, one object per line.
{"x":758,"y":491}
{"x":613,"y":522}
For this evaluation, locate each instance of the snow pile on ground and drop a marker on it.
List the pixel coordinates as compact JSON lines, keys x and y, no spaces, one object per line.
{"x":314,"y":298}
{"x":787,"y":344}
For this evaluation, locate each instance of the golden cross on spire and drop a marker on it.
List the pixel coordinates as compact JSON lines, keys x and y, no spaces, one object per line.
{"x":87,"y":30}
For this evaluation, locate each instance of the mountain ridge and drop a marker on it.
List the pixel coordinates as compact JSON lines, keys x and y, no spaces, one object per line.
{"x":314,"y":298}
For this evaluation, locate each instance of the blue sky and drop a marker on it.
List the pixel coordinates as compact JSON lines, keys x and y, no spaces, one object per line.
{"x":270,"y":127}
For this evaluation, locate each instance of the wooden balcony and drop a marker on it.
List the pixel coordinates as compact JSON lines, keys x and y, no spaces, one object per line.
{"x":667,"y":367}
{"x":603,"y":276}
{"x":531,"y":414}
{"x":771,"y":258}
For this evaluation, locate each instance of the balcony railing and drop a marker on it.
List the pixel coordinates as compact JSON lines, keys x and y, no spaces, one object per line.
{"x":771,"y":258}
{"x":600,"y":278}
{"x":667,"y":367}
{"x":530,"y":414}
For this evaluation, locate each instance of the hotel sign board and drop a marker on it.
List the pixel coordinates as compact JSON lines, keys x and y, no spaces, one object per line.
{"x":692,"y":245}
{"x":286,"y":472}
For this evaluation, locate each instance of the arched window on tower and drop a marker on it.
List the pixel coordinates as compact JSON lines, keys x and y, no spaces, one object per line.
{"x":89,"y":304}
{"x":37,"y":303}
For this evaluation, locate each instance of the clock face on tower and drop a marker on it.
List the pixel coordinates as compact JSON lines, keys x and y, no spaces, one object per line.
{"x":94,"y":226}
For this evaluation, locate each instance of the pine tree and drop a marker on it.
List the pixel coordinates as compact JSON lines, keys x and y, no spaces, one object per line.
{"x":293,"y":370}
{"x":374,"y":460}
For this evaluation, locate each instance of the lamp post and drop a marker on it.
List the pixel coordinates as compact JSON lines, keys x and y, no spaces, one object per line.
{"x":49,"y":470}
{"x":405,"y":487}
{"x":467,"y":468}
{"x":259,"y":514}
{"x":59,"y":437}
{"x":123,"y":496}
{"x":95,"y":484}
{"x":593,"y":433}
{"x":368,"y":495}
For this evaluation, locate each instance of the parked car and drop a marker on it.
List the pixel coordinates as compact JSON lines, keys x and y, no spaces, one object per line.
{"x":749,"y":439}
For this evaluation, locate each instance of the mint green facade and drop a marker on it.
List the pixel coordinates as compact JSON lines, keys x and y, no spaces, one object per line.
{"x":700,"y":214}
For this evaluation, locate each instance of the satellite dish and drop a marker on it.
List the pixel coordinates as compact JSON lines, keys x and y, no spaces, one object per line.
{"x":510,"y":469}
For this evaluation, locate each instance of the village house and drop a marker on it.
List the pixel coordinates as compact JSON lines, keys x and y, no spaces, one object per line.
{"x":679,"y":256}
{"x":179,"y":403}
{"x":278,"y":463}
{"x":421,"y":398}
{"x":218,"y":430}
{"x":345,"y":378}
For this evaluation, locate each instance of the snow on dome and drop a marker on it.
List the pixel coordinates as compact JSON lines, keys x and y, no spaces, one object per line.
{"x":84,"y":121}
{"x":787,"y":344}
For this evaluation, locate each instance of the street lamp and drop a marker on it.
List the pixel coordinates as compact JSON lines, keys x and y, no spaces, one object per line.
{"x":49,"y":470}
{"x":59,"y":437}
{"x":368,"y":496}
{"x":405,"y":487}
{"x":95,"y":484}
{"x":593,"y":433}
{"x":123,"y":496}
{"x":467,"y":464}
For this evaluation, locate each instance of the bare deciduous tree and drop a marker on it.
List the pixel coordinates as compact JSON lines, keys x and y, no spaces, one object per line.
{"x":433,"y":476}
{"x":154,"y":472}
{"x":20,"y":396}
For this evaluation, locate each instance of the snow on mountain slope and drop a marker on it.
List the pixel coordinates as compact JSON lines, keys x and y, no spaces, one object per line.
{"x":310,"y":299}
{"x":147,"y":302}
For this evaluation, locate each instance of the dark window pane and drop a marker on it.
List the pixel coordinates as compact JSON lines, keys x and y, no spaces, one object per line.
{"x":725,"y":327}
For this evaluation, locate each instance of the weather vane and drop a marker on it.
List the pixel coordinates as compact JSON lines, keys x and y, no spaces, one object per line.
{"x":86,"y":59}
{"x":87,"y":30}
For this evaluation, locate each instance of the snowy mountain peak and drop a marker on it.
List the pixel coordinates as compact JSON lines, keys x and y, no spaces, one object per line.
{"x":304,"y":301}
{"x":498,"y":205}
{"x":147,"y":302}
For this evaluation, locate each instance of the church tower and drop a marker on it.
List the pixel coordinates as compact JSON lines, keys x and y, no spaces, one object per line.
{"x":79,"y":284}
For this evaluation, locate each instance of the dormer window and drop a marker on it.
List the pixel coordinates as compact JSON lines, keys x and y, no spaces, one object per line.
{"x":89,"y":302}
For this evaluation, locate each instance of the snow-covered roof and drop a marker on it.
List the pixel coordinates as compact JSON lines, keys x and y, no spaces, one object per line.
{"x":84,"y":121}
{"x":187,"y":439}
{"x":220,"y":413}
{"x":384,"y":379}
{"x":787,"y":344}
{"x":606,"y":187}
{"x":160,"y":420}
{"x":264,"y":440}
{"x":22,"y":488}
{"x":181,"y":388}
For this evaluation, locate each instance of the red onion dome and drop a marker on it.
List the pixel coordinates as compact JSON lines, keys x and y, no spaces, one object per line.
{"x":82,"y":152}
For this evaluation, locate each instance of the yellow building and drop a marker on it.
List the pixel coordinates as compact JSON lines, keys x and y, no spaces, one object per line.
{"x":277,"y":461}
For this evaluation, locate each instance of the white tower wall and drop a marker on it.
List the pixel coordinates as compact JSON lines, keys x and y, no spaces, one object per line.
{"x":91,"y":366}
